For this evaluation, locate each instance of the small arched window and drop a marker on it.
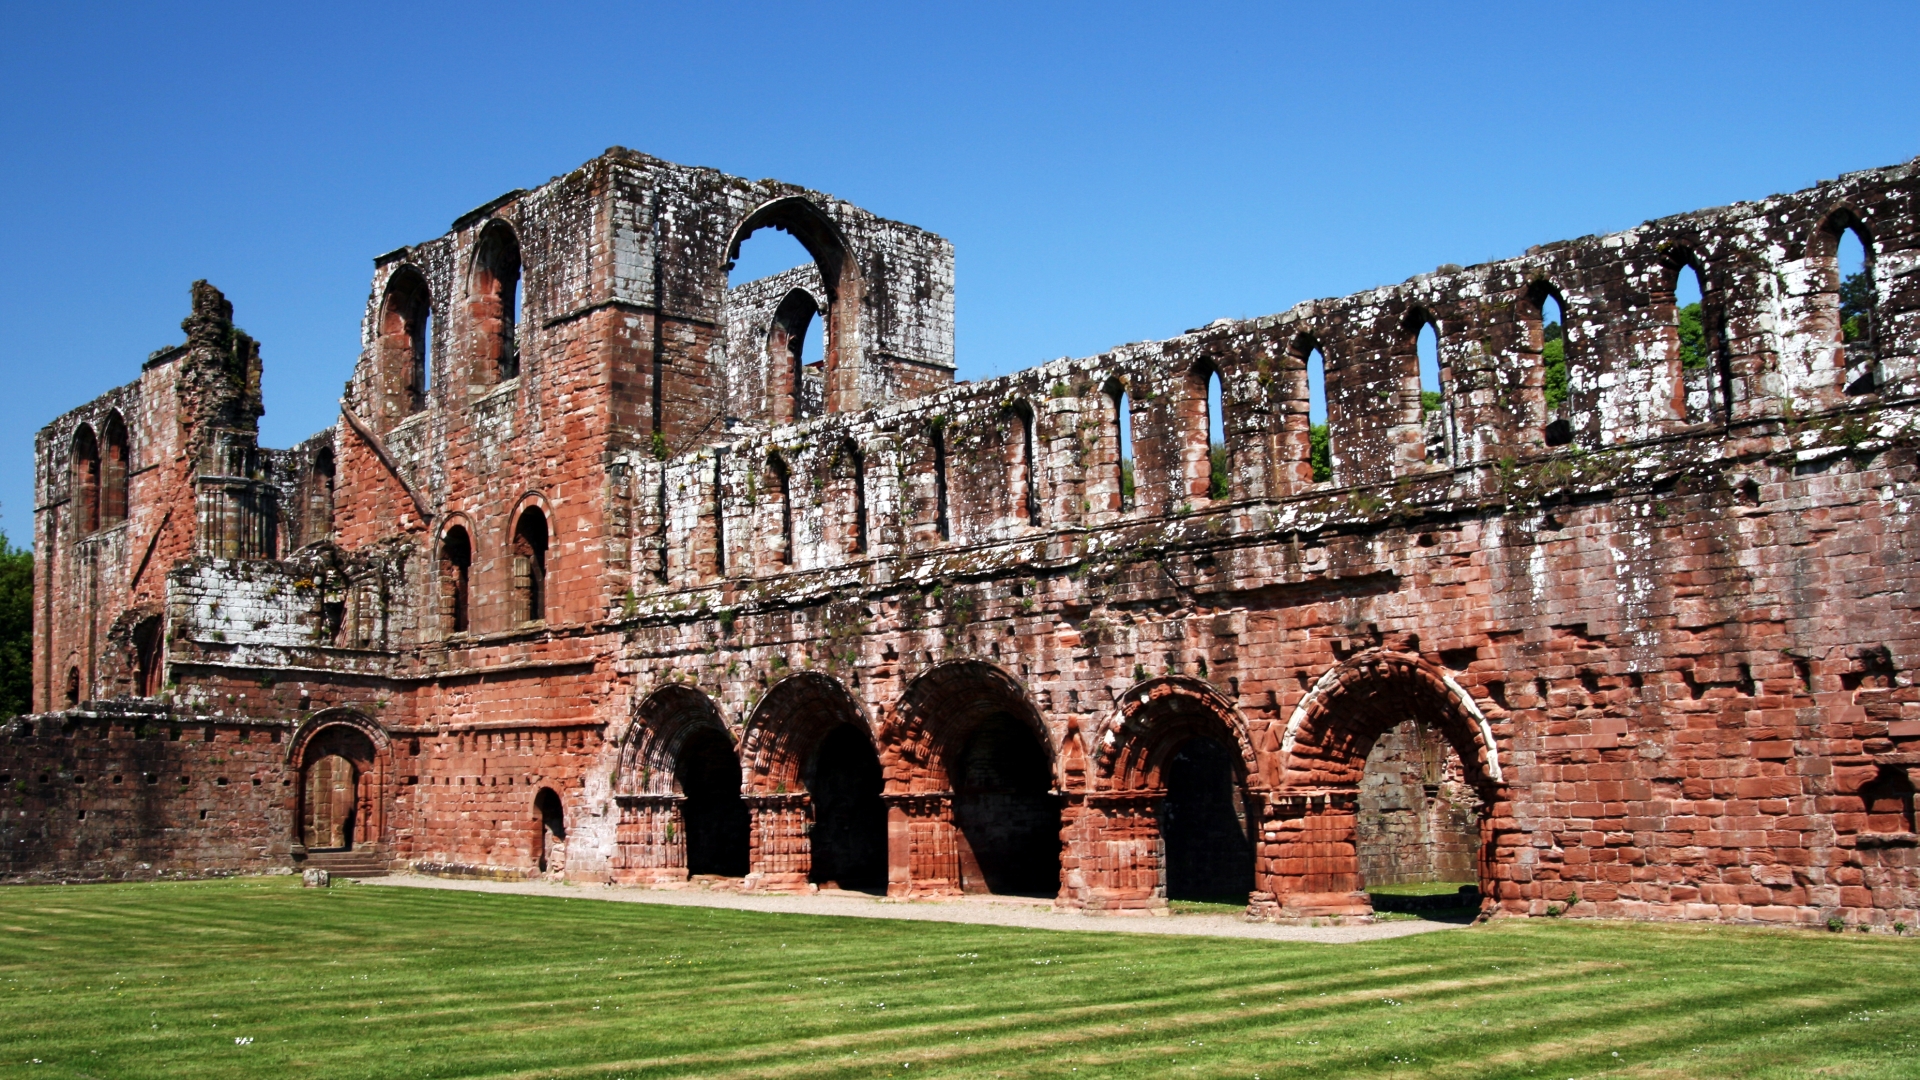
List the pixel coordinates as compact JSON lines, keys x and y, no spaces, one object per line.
{"x":495,"y":301}
{"x":1435,"y":422}
{"x":1705,"y":387}
{"x":456,"y":572}
{"x":1024,"y":495}
{"x":552,"y":852}
{"x":1842,"y":256}
{"x":320,"y":497}
{"x":113,"y":471}
{"x":786,"y":349}
{"x":1545,"y":332}
{"x":406,"y":340}
{"x":780,"y":486}
{"x":530,"y":565}
{"x":146,"y":657}
{"x":1121,"y":478}
{"x":1313,"y":384}
{"x":1209,"y":466}
{"x":86,"y":480}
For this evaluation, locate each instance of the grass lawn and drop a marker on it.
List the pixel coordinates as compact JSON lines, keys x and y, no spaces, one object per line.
{"x":261,"y":978}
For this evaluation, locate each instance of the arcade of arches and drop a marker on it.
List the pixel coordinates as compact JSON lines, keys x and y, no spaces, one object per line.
{"x":964,"y":787}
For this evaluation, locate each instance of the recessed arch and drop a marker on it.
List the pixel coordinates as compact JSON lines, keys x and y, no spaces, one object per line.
{"x":1132,"y":740}
{"x":493,"y":302}
{"x":1321,"y":745}
{"x":339,"y":797}
{"x":786,"y":349}
{"x":404,"y":347}
{"x":787,"y":725}
{"x":1023,"y":490}
{"x":115,"y":464}
{"x":527,"y":551}
{"x":83,"y":456}
{"x":840,"y":276}
{"x":456,"y":575}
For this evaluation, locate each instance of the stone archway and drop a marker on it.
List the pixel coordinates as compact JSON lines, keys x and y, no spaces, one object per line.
{"x":972,"y":786}
{"x":1308,"y":862}
{"x":339,"y":802}
{"x":1173,"y":802}
{"x":813,"y":780}
{"x":678,"y":790}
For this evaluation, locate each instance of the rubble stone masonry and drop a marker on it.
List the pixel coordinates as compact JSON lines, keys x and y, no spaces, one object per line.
{"x":613,"y":573}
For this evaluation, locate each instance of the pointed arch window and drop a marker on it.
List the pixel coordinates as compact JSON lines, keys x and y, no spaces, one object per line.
{"x":1121,"y":479}
{"x":1846,"y":307}
{"x":1704,"y":391}
{"x":1545,"y":334}
{"x":113,"y":471}
{"x":405,"y":345}
{"x":85,"y":495}
{"x":1209,"y":462}
{"x":1434,"y":412}
{"x":494,"y":301}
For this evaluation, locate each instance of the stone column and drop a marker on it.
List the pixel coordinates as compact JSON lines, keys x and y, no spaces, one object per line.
{"x":923,"y":846}
{"x":650,"y":840}
{"x":1307,"y":863}
{"x":781,"y":854}
{"x":1112,"y":860}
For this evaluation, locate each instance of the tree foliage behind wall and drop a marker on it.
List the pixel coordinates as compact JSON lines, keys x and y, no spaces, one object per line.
{"x":16,"y":629}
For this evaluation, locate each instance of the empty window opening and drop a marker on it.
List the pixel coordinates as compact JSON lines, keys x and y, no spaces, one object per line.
{"x":530,"y":565}
{"x":86,"y":480}
{"x":796,"y":388}
{"x":456,"y":565}
{"x":1319,"y":431}
{"x":1218,"y":484}
{"x":856,"y":464}
{"x":1705,"y":375}
{"x":1433,"y":397}
{"x":1888,"y":802}
{"x":1856,"y":312}
{"x":320,"y":497}
{"x":849,"y":835}
{"x":714,"y":814}
{"x":1024,"y":496}
{"x":782,"y":241}
{"x":1007,"y":816}
{"x":1554,"y":383}
{"x":113,"y":471}
{"x":146,"y":657}
{"x":1206,"y":835}
{"x":405,"y":340}
{"x":940,"y":483}
{"x":780,"y":486}
{"x":496,"y":301}
{"x":1123,"y":481}
{"x":552,"y":851}
{"x":1418,"y":821}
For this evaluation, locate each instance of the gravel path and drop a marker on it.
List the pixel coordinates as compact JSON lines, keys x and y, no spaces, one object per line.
{"x":984,"y":911}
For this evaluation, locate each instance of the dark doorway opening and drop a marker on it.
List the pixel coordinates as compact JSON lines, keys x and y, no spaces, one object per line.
{"x":1006,"y":811}
{"x":715,"y":815}
{"x":553,"y":830}
{"x":330,"y":797}
{"x":1419,"y":819}
{"x":849,"y":840}
{"x":1204,"y":826}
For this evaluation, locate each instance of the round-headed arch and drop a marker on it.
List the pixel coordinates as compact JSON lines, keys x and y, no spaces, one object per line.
{"x":662,"y":725}
{"x":788,"y":725}
{"x":1334,"y":727}
{"x":319,"y":723}
{"x":1152,"y":719}
{"x":938,"y":713}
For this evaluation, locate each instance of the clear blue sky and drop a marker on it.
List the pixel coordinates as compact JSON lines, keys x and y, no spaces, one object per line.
{"x":1108,"y":173}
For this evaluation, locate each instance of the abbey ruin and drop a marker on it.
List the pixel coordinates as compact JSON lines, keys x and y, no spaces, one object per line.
{"x":612,"y":572}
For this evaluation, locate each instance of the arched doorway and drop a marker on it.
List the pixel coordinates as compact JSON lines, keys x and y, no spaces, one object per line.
{"x":1005,"y":808}
{"x":1417,"y":820}
{"x":1204,"y":827}
{"x":715,"y":816}
{"x":1325,"y":752}
{"x":813,"y":789}
{"x":337,"y":795}
{"x":1173,"y":802}
{"x":966,"y":728}
{"x":849,"y":820}
{"x":552,"y":853}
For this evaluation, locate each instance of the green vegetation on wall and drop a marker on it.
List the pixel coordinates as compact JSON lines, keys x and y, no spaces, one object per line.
{"x":16,"y":629}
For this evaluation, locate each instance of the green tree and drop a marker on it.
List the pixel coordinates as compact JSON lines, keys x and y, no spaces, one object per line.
{"x":1320,"y":453}
{"x":1553,"y":359}
{"x":16,"y":629}
{"x":1217,"y":480}
{"x":1693,"y":338}
{"x":1856,"y":301}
